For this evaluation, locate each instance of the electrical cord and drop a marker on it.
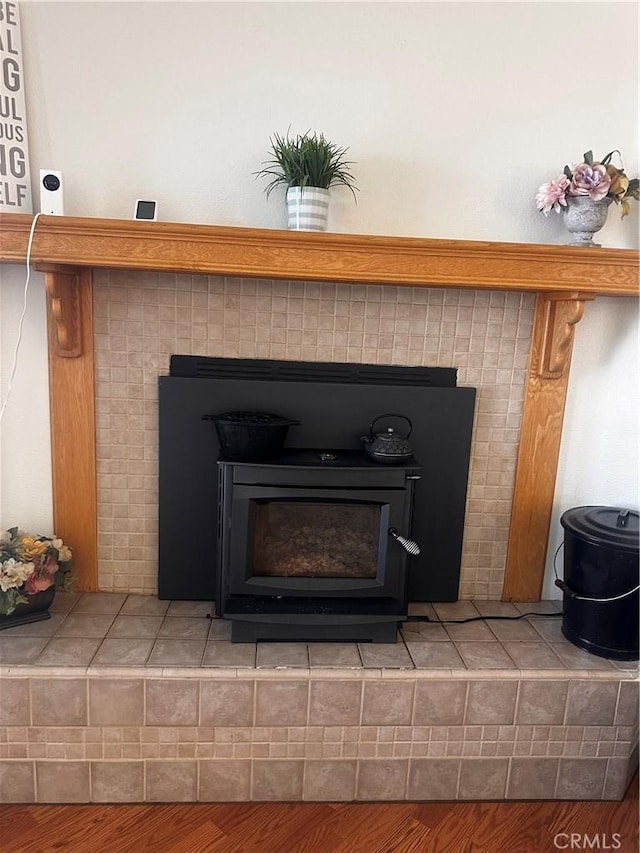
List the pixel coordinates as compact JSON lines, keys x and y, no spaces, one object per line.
{"x":569,"y":592}
{"x":476,"y":618}
{"x":22,"y":316}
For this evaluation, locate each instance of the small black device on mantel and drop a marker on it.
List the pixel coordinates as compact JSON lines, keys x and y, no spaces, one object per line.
{"x":146,"y":209}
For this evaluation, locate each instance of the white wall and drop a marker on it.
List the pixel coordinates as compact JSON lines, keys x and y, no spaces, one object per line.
{"x":599,"y":451}
{"x":453,"y":112}
{"x":25,"y":448}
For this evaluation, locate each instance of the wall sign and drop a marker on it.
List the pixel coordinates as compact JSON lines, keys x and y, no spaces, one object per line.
{"x":15,"y":180}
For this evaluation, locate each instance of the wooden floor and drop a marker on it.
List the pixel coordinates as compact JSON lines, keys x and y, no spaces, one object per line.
{"x":524,"y":827}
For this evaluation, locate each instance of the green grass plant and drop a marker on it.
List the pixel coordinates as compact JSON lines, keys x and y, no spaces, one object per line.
{"x":306,"y":160}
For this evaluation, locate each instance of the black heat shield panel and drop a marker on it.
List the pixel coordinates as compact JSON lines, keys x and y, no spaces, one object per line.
{"x":332,"y":415}
{"x":207,"y":367}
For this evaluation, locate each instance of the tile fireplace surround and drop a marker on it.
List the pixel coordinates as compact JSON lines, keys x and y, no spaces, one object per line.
{"x":124,"y":698}
{"x":142,"y":318}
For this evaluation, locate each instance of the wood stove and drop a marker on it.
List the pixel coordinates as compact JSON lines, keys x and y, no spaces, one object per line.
{"x":309,"y":546}
{"x":335,"y":404}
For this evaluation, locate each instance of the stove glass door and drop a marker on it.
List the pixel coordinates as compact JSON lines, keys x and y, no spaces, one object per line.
{"x":315,"y":539}
{"x":303,"y":541}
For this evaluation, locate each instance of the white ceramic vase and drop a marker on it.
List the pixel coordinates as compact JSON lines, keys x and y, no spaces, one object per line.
{"x":307,"y":208}
{"x":583,"y":217}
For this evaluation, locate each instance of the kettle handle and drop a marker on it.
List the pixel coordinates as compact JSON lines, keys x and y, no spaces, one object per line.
{"x":390,"y":415}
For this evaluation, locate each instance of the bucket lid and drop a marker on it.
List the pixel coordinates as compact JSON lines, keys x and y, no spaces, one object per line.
{"x":604,"y":525}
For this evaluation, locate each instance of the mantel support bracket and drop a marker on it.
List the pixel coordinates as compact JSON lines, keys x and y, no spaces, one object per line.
{"x":556,"y":315}
{"x":63,"y":308}
{"x":73,"y":422}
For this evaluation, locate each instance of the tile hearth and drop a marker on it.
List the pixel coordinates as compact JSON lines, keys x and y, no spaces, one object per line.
{"x":113,"y":629}
{"x":125,"y":698}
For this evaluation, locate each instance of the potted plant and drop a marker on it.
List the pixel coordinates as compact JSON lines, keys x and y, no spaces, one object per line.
{"x":308,"y":165}
{"x":583,"y":193}
{"x":31,"y":567}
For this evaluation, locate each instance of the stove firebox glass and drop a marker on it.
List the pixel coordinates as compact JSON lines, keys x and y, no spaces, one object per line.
{"x":315,"y":539}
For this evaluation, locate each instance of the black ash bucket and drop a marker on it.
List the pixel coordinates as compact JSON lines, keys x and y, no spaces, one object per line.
{"x":601,"y":604}
{"x":251,"y":436}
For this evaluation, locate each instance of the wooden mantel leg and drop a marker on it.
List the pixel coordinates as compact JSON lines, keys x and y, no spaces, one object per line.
{"x":546,"y":391}
{"x":73,"y":423}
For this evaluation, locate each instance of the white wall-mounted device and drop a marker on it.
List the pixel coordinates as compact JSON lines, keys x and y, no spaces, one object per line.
{"x":146,"y":209}
{"x":51,"y":196}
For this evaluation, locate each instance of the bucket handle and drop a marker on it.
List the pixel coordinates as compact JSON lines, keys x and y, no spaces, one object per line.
{"x":574,"y":595}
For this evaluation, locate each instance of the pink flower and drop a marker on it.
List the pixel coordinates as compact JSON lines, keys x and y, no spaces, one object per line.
{"x":37,"y":584}
{"x":550,"y":196}
{"x":593,"y":181}
{"x":43,"y":577}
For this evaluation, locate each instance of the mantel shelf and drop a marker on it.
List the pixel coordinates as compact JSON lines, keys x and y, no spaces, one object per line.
{"x":351,"y":258}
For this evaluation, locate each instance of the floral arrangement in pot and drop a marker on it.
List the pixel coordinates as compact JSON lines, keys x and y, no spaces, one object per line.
{"x":30,"y":565}
{"x":584,"y":193}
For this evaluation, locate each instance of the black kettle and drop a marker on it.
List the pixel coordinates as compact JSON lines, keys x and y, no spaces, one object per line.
{"x":388,"y":447}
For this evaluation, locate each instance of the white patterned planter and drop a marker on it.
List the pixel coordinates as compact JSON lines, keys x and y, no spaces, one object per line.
{"x":308,"y":208}
{"x":583,"y":217}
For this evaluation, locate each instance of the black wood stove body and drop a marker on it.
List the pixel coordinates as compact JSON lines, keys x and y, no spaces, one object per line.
{"x":335,"y":405}
{"x":305,"y":550}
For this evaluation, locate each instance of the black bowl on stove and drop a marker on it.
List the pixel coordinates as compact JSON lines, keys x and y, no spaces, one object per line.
{"x":251,"y":436}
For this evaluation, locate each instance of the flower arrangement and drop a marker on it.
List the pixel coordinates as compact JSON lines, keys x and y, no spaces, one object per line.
{"x":598,"y":179}
{"x":30,"y":564}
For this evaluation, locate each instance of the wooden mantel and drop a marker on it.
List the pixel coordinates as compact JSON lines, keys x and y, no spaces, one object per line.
{"x":352,"y":258}
{"x":67,"y":249}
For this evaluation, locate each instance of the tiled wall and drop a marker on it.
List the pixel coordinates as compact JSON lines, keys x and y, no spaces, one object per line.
{"x":142,"y":318}
{"x":277,"y":736}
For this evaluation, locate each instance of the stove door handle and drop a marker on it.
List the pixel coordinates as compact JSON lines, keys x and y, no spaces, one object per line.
{"x":409,"y":545}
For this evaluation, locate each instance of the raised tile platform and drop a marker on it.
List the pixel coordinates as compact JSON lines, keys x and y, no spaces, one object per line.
{"x":122,"y":698}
